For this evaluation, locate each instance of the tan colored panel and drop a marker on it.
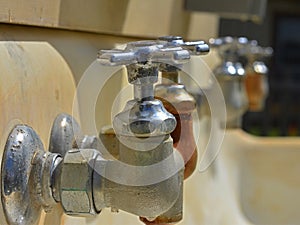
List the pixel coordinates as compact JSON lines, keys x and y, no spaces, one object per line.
{"x":180,"y":19}
{"x":35,"y":85}
{"x":93,"y":15}
{"x":148,"y":17}
{"x":203,"y":25}
{"x":79,"y":50}
{"x":142,"y":18}
{"x":34,"y":12}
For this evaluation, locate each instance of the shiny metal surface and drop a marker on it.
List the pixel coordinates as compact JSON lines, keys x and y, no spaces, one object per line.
{"x":231,"y":76}
{"x":33,"y":179}
{"x":144,"y":51}
{"x":147,"y":116}
{"x":144,"y":119}
{"x":26,"y":177}
{"x":89,"y":142}
{"x":256,"y":56}
{"x":195,"y":47}
{"x":21,"y":203}
{"x":230,"y":49}
{"x":230,"y":69}
{"x":46,"y":164}
{"x":76,"y":182}
{"x":143,"y":129}
{"x":235,"y":98}
{"x":64,"y":132}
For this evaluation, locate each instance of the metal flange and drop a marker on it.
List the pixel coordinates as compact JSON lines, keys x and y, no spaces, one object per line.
{"x":23,"y":184}
{"x":30,"y":175}
{"x":65,"y":133}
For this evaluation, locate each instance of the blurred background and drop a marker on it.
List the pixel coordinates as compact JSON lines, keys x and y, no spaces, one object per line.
{"x":280,"y":29}
{"x":102,"y":24}
{"x":275,"y":23}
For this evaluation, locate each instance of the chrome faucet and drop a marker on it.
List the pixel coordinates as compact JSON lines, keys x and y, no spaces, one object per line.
{"x":143,"y":128}
{"x":231,"y":76}
{"x":242,"y":76}
{"x":180,"y":104}
{"x":147,"y":178}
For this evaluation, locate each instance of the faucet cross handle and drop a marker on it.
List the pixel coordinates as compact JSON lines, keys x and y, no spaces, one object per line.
{"x":256,"y":51}
{"x":145,"y":52}
{"x":231,"y":48}
{"x":194,"y":47}
{"x":228,"y":40}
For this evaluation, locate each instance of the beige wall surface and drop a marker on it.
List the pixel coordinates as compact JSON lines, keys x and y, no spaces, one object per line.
{"x":141,"y":18}
{"x":36,"y":84}
{"x":79,"y":50}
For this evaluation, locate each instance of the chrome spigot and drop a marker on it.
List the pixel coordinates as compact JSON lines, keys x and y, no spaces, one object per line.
{"x":232,"y":53}
{"x":256,"y":75}
{"x":231,"y":75}
{"x":146,"y":116}
{"x":180,"y":104}
{"x":146,"y":180}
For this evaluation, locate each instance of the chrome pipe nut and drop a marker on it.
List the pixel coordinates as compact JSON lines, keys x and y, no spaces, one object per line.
{"x":76,"y":182}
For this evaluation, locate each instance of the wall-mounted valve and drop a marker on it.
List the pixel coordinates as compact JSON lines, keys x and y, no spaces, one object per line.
{"x":147,"y":178}
{"x":231,"y":75}
{"x":147,"y":59}
{"x":33,"y":179}
{"x":180,"y":104}
{"x":30,"y":176}
{"x":242,"y":75}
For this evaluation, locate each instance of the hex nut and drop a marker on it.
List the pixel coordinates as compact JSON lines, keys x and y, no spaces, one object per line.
{"x":157,"y":120}
{"x":76,"y":182}
{"x":143,"y":119}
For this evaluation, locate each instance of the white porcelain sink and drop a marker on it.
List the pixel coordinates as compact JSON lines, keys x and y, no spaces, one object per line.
{"x":255,"y":180}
